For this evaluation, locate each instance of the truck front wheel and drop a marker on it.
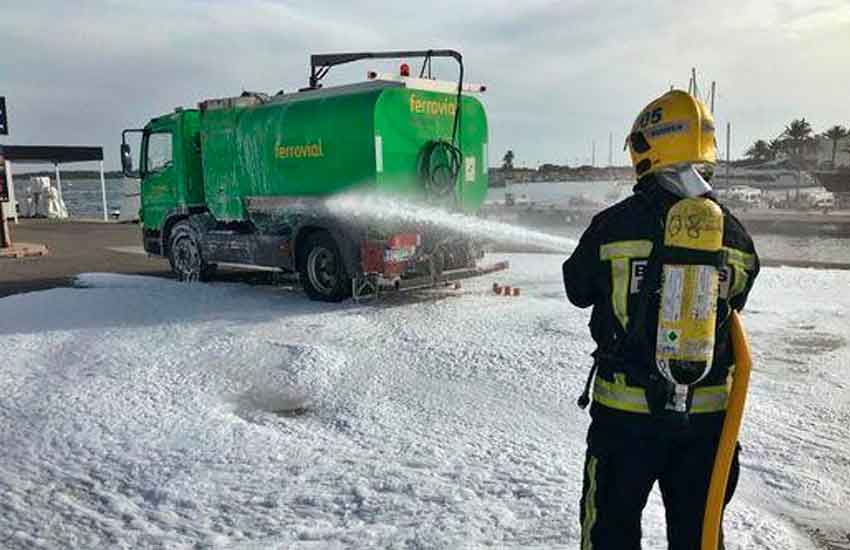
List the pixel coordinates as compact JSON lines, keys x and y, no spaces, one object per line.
{"x":321,"y":269}
{"x":185,"y":255}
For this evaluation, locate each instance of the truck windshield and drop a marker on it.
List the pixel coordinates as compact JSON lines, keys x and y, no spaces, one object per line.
{"x":159,"y":152}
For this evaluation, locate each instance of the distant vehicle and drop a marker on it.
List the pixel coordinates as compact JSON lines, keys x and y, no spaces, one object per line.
{"x":244,"y":180}
{"x":741,"y":196}
{"x":824,"y":201}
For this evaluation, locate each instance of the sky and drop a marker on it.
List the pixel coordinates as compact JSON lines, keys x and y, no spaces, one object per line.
{"x":560,"y":75}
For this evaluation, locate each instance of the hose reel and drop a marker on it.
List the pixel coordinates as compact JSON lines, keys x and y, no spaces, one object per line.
{"x":439,"y":166}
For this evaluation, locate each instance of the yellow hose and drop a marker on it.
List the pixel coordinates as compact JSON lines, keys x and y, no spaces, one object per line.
{"x":728,"y":437}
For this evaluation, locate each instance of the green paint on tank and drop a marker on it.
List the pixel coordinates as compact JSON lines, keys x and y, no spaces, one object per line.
{"x":326,"y":142}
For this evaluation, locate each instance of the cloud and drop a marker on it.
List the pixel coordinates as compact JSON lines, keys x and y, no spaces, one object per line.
{"x":560,"y":74}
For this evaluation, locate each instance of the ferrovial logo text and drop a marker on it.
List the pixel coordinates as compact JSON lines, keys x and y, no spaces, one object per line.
{"x":306,"y":150}
{"x":443,"y":107}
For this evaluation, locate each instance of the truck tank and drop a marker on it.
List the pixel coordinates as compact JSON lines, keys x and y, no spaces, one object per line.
{"x":380,"y":136}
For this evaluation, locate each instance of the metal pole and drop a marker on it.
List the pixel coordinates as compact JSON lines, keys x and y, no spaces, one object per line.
{"x":694,"y":79}
{"x":12,"y":200}
{"x":713,"y":88}
{"x":593,"y":154}
{"x":59,"y":182}
{"x":728,"y":149}
{"x":610,"y":148}
{"x":103,"y":192}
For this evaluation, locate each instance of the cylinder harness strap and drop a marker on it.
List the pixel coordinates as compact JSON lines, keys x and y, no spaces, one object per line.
{"x":619,"y":395}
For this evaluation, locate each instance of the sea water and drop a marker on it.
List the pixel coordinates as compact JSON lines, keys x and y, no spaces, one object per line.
{"x":775,"y":246}
{"x":82,"y":197}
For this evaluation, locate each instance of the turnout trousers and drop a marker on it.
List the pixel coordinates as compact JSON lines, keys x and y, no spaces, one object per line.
{"x":620,"y":469}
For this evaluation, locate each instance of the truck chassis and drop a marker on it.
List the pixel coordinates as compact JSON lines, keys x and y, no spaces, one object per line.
{"x":334,"y":258}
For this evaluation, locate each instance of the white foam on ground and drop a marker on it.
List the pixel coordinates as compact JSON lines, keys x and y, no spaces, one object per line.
{"x":138,"y":412}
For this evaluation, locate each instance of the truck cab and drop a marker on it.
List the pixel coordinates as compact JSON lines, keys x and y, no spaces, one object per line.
{"x":170,"y":172}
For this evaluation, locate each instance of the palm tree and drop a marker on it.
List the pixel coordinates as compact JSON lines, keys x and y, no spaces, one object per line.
{"x":835,"y":134}
{"x":798,"y":129}
{"x":508,"y":160}
{"x":760,"y":150}
{"x":775,"y":146}
{"x":797,"y":135}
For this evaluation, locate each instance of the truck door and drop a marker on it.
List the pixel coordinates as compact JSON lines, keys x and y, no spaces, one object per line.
{"x":159,"y":186}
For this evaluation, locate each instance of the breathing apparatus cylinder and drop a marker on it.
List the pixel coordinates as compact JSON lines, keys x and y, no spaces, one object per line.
{"x":687,"y":313}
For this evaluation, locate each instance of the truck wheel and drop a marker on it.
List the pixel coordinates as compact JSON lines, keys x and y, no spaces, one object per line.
{"x":185,"y":256}
{"x":322,"y":270}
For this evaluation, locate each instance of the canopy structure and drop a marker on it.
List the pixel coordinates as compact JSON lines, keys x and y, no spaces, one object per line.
{"x":50,"y":154}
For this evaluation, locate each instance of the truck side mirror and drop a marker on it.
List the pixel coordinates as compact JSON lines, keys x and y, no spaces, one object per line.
{"x":127,"y":156}
{"x":127,"y":161}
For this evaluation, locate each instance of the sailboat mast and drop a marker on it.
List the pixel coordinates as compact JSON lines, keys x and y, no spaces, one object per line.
{"x":713,"y":88}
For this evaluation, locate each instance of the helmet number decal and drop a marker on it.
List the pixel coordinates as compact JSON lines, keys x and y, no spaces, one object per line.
{"x":650,"y":117}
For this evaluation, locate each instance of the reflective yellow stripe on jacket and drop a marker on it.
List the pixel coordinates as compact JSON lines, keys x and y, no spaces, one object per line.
{"x":620,"y":254}
{"x":740,"y":262}
{"x":618,"y":395}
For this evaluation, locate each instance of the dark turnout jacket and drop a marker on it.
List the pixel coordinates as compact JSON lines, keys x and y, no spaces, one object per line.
{"x":606,"y":271}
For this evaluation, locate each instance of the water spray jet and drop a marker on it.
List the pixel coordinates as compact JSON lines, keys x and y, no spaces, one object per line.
{"x":385,"y":209}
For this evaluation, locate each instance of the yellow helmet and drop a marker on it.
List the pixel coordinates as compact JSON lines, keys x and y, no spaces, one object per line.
{"x":676,"y":128}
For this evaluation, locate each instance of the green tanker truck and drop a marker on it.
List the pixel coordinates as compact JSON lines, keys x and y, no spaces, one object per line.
{"x":245,"y":180}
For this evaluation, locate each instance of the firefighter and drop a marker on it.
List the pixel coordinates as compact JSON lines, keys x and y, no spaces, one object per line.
{"x":667,"y":256}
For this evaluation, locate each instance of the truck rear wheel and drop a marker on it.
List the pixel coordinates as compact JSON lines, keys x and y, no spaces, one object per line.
{"x":321,"y":269}
{"x":185,"y":254}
